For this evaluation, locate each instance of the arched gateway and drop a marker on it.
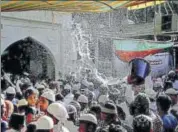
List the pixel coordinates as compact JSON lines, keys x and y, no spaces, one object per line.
{"x":28,"y":55}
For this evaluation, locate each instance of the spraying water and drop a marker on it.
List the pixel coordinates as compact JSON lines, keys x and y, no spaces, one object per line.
{"x":81,"y":44}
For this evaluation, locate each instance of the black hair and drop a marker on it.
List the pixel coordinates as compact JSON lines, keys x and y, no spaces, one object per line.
{"x":120,"y":111}
{"x":131,"y":108}
{"x":115,"y":128}
{"x":72,"y":117}
{"x":29,"y":92}
{"x":95,"y":109}
{"x":3,"y":126}
{"x":141,"y":124}
{"x":2,"y":111}
{"x":21,"y":108}
{"x":50,"y":102}
{"x":164,"y":102}
{"x":76,"y":95}
{"x":110,"y":105}
{"x":16,"y":121}
{"x":31,"y":128}
{"x":167,"y":85}
{"x":4,"y":84}
{"x":140,"y":105}
{"x":19,"y":96}
{"x":138,"y":129}
{"x":10,"y":96}
{"x":59,"y":96}
{"x":25,"y":86}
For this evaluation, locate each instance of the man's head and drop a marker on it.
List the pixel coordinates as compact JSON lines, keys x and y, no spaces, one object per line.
{"x":171,"y":75}
{"x":72,"y":112}
{"x":138,"y":89}
{"x":88,"y":123}
{"x":46,"y":99}
{"x":97,"y":110}
{"x":10,"y":93}
{"x":17,"y":121}
{"x":67,"y":89}
{"x":142,"y":123}
{"x":44,"y":124}
{"x":163,"y":103}
{"x":31,"y":96}
{"x":140,"y":105}
{"x":173,"y":94}
{"x":108,"y":112}
{"x":57,"y":112}
{"x":83,"y":100}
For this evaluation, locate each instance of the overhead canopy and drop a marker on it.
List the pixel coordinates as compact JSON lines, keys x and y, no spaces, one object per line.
{"x":68,"y":5}
{"x":142,"y":5}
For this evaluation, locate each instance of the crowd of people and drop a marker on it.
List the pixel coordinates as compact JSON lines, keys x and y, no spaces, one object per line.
{"x":71,"y":105}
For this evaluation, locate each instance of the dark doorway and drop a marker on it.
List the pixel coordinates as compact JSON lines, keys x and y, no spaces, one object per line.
{"x":30,"y":56}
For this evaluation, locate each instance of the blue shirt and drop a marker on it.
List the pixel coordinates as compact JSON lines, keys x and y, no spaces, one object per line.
{"x":169,"y":121}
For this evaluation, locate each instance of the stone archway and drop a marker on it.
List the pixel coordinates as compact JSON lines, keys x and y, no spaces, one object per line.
{"x":28,"y":55}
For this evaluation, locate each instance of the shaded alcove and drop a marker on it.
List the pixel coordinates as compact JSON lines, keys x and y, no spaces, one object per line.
{"x":28,"y":55}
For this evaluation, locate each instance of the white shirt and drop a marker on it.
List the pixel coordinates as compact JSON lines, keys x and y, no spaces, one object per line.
{"x":59,"y":128}
{"x":68,"y":98}
{"x":70,"y":125}
{"x":175,"y":84}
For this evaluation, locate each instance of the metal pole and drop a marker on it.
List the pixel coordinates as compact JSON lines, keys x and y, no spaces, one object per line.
{"x":155,"y":21}
{"x":174,"y":52}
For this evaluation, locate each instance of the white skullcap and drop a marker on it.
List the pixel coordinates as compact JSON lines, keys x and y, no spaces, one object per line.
{"x":171,"y":91}
{"x":58,"y":111}
{"x":25,"y":73}
{"x":103,"y":98}
{"x":71,"y":109}
{"x":157,"y":84}
{"x":82,"y":99}
{"x":67,"y":87}
{"x":76,"y":86}
{"x":49,"y":95}
{"x":150,"y":93}
{"x":22,"y":102}
{"x":10,"y":90}
{"x":44,"y":123}
{"x":89,"y":118}
{"x":171,"y":72}
{"x":39,"y":86}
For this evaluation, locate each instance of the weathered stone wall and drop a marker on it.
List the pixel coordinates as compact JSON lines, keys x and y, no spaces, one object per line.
{"x":51,"y":29}
{"x":104,"y":27}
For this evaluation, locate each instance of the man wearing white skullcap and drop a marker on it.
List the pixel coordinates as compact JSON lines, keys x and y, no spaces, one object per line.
{"x":83,"y":101}
{"x":173,"y":94}
{"x":10,"y":95}
{"x":59,"y":115}
{"x":67,"y":92}
{"x":44,"y":124}
{"x":45,"y":100}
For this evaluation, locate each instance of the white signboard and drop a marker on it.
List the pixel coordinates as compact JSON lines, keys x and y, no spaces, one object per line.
{"x":160,"y":63}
